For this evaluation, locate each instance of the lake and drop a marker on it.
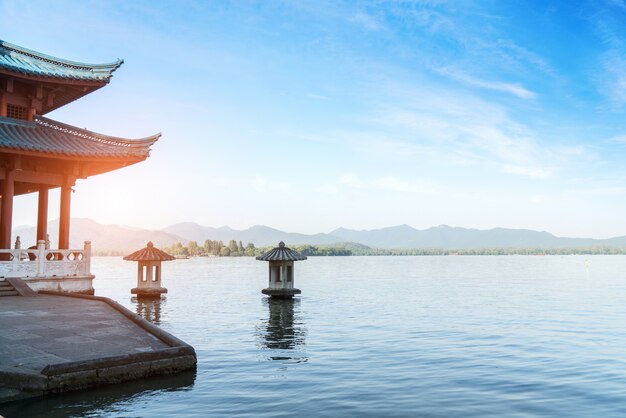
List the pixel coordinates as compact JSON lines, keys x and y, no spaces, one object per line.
{"x":377,"y":336}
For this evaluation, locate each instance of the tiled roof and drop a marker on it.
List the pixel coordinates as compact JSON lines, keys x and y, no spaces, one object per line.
{"x":150,"y":253}
{"x":48,"y":136}
{"x":281,"y":253}
{"x":21,"y":60}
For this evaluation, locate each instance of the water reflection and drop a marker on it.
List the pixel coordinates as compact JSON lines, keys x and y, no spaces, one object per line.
{"x":149,"y":309}
{"x":283,"y":331}
{"x":101,"y":401}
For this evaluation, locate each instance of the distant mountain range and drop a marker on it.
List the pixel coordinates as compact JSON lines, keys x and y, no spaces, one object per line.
{"x":259,"y":235}
{"x":124,"y":238}
{"x":102,"y":237}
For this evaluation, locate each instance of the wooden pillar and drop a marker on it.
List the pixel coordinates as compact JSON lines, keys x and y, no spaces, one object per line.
{"x":64,"y":221}
{"x":3,"y":104}
{"x":6,"y":213}
{"x":42,"y":214}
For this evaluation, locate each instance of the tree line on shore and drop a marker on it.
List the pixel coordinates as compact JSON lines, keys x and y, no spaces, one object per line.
{"x":212,"y":248}
{"x":237,"y":249}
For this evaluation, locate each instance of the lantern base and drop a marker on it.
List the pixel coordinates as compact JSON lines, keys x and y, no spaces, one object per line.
{"x":281,"y":293}
{"x":149,"y":293}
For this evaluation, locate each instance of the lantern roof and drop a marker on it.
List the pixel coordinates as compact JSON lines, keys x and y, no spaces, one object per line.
{"x":150,"y":253}
{"x":281,"y":253}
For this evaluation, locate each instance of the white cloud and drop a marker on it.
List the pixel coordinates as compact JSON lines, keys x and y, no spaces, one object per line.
{"x":533,"y":172}
{"x":351,"y":180}
{"x":316,"y":96}
{"x":538,"y":199}
{"x":367,"y":21}
{"x":402,"y":186}
{"x":460,"y":126}
{"x":388,"y":183}
{"x":261,"y":184}
{"x":510,"y":88}
{"x":620,"y":139}
{"x":328,"y":189}
{"x":613,"y":78}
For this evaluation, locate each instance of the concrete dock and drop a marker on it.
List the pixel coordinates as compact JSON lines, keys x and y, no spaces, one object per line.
{"x":52,"y":343}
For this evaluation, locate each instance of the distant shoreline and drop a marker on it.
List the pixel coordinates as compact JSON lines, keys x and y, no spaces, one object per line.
{"x":343,"y":252}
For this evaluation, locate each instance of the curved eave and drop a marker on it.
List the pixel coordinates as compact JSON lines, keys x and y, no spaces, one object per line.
{"x":40,"y":78}
{"x":68,"y":71}
{"x":50,"y":139}
{"x":122,"y":160}
{"x":114,"y":140}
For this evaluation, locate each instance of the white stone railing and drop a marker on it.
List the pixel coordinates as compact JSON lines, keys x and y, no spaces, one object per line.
{"x":39,"y":262}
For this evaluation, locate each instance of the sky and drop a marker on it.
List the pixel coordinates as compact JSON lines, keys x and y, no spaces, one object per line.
{"x":311,"y":115}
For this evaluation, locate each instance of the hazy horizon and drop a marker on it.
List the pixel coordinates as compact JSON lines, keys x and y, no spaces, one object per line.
{"x":308,"y":116}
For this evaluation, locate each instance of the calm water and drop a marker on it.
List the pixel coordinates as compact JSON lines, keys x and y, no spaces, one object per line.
{"x":378,"y":336}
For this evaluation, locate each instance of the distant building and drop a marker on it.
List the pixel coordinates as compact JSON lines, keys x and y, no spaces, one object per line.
{"x":38,"y":154}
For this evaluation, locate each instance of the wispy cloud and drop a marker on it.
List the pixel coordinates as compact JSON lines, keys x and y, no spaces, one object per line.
{"x":316,"y":96}
{"x":620,"y":139}
{"x":463,"y":124}
{"x":403,"y":186}
{"x":351,"y":180}
{"x":261,"y":184}
{"x":617,"y":3}
{"x":328,"y":189}
{"x":613,"y":78}
{"x":388,"y":183}
{"x":510,"y":88}
{"x":533,"y":172}
{"x":367,"y":21}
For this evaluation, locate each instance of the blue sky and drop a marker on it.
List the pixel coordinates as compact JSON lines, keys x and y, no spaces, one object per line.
{"x":310,"y":115}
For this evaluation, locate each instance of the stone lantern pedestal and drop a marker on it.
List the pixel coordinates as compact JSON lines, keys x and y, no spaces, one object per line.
{"x":281,"y":277}
{"x":149,"y":271}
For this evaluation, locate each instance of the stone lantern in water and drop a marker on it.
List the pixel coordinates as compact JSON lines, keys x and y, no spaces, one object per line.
{"x":281,"y":261}
{"x":149,"y":271}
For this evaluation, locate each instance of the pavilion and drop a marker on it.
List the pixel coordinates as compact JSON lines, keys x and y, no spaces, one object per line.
{"x":38,"y":154}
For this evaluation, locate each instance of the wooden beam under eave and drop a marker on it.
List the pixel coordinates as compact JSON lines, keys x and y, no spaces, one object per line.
{"x":28,"y":188}
{"x":50,"y":80}
{"x":38,"y":177}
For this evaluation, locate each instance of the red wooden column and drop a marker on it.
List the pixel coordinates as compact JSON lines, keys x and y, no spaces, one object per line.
{"x":42,"y":214}
{"x":6,"y":212}
{"x":64,"y":221}
{"x":3,"y":104}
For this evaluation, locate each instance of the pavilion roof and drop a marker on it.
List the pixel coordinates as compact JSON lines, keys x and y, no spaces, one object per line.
{"x":281,"y":253}
{"x":149,"y":253}
{"x":30,"y":63}
{"x":46,"y":136}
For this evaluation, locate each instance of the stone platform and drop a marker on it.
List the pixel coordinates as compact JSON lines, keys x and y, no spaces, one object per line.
{"x":53,"y":343}
{"x":281,"y":293}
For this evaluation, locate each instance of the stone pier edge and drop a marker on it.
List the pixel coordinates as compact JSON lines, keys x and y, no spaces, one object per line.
{"x":63,"y":377}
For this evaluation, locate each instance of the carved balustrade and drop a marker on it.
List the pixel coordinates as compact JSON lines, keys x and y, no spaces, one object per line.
{"x":42,"y":262}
